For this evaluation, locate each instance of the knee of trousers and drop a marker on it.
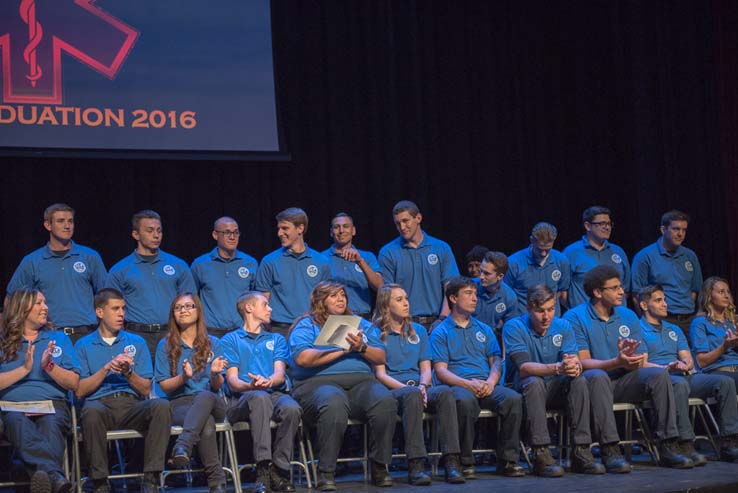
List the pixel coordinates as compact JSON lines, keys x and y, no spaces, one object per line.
{"x":445,"y":399}
{"x":290,"y":412}
{"x":161,"y":407}
{"x":467,"y":406}
{"x":681,"y":389}
{"x":386,"y":404}
{"x":656,"y":377}
{"x":413,"y":397}
{"x":534,"y":386}
{"x":726,"y":387}
{"x":209,"y":429}
{"x":513,"y":404}
{"x":578,"y":385}
{"x":92,"y":416}
{"x":334,"y":408}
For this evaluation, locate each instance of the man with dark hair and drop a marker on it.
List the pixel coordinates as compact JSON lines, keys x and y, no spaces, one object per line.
{"x":542,"y":365}
{"x":67,"y":273}
{"x":418,"y":262}
{"x":473,"y":260}
{"x":358,"y":270}
{"x":609,"y":339}
{"x":222,"y":275}
{"x":288,"y":275}
{"x":539,"y":263}
{"x":496,"y":301}
{"x":595,"y":249}
{"x":116,"y":383}
{"x":667,"y":348}
{"x":467,"y":358}
{"x":149,"y":279}
{"x":672,"y":266}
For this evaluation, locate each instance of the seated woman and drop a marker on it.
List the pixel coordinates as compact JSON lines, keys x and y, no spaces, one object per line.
{"x":332,"y":385}
{"x":407,"y":372}
{"x":189,"y":369}
{"x":37,"y":363}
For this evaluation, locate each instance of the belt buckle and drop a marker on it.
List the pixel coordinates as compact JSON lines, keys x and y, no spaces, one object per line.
{"x":411,"y":382}
{"x":68,"y":330}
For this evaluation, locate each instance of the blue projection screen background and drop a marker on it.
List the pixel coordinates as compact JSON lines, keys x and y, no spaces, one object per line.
{"x":148,"y":75}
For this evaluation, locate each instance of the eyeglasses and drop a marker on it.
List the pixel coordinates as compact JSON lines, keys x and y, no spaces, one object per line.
{"x":604,"y":224}
{"x":184,"y":306}
{"x":619,"y":286}
{"x":228,"y":232}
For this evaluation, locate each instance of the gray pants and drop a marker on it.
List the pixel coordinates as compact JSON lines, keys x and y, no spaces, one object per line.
{"x":442,"y":403}
{"x":703,"y":385}
{"x":561,"y":391}
{"x":329,"y":401}
{"x":633,"y":387}
{"x":197,"y":415}
{"x":259,"y":407}
{"x":507,"y":403}
{"x":150,"y":417}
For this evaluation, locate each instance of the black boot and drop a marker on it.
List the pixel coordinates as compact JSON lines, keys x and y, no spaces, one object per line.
{"x":544,"y":465}
{"x":671,"y":456}
{"x":452,"y":466}
{"x":263,"y":478}
{"x":584,"y":462}
{"x":280,"y":480}
{"x":416,"y":475}
{"x":180,"y":457}
{"x":613,"y":460}
{"x":510,"y":469}
{"x":326,"y":481}
{"x":686,"y":448}
{"x":729,"y":449}
{"x":380,"y":476}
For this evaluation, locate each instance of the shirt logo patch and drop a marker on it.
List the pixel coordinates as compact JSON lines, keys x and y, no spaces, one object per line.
{"x":79,"y":267}
{"x":433,"y":259}
{"x":130,"y":350}
{"x":556,"y":275}
{"x":168,"y":270}
{"x":56,"y":352}
{"x":270,"y":345}
{"x":557,"y":340}
{"x":500,"y":307}
{"x":616,"y":258}
{"x":673,"y":335}
{"x":243,"y":272}
{"x":481,"y":337}
{"x":211,"y":356}
{"x":688,"y":265}
{"x":624,"y":330}
{"x":356,"y":266}
{"x":312,"y":270}
{"x":413,"y":339}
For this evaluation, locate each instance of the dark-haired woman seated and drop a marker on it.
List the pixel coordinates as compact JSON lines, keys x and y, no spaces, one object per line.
{"x":332,"y":385}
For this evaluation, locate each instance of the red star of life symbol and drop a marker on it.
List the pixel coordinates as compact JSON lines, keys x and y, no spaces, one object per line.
{"x":34,"y":33}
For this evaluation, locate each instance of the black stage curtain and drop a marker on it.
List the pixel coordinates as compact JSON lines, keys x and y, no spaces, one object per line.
{"x":490,"y":115}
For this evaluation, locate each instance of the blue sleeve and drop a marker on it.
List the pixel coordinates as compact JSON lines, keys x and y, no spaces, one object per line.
{"x":696,"y":275}
{"x":439,"y":349}
{"x":425,"y":353}
{"x":371,"y":259}
{"x":511,"y":275}
{"x":161,"y":368}
{"x":565,"y":280}
{"x":99,"y":274}
{"x":698,"y":335}
{"x":515,"y":342}
{"x":637,"y":334}
{"x":281,"y":353}
{"x":569,"y":343}
{"x":195,"y":276}
{"x":374,"y":337}
{"x":216,"y":347}
{"x":115,"y":280}
{"x":264,"y":277}
{"x":143,"y":361}
{"x":186,"y":284}
{"x":229,"y":348}
{"x":387,"y":266}
{"x":580,"y":332}
{"x":84,"y":364}
{"x":681,"y":340}
{"x":493,"y":347}
{"x":22,"y":277}
{"x":69,"y":359}
{"x":639,"y":272}
{"x":301,"y":338}
{"x":449,"y":268}
{"x":627,"y":282}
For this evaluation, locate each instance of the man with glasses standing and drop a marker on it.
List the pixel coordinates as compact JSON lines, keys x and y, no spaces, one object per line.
{"x":595,"y":249}
{"x":222,"y":275}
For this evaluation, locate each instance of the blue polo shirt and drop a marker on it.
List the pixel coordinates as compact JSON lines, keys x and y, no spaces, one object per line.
{"x":583,"y":256}
{"x":524,"y":272}
{"x":303,"y":337}
{"x":150,"y":286}
{"x":599,"y":336}
{"x":404,"y":353}
{"x":679,"y":274}
{"x":38,"y":385}
{"x":664,"y":342}
{"x":521,"y":339}
{"x":255,"y":353}
{"x":290,"y":279}
{"x":69,"y":282}
{"x":497,"y":308}
{"x":350,"y":275}
{"x":200,"y":381}
{"x":220,"y":282}
{"x":466,"y":350}
{"x":706,"y":335}
{"x":94,"y":353}
{"x":422,"y":271}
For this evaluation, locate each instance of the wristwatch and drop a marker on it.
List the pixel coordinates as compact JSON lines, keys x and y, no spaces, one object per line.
{"x":363,"y":348}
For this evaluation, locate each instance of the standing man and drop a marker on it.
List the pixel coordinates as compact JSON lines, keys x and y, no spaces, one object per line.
{"x":668,"y":349}
{"x":542,"y":364}
{"x":150,"y":279}
{"x":257,"y":360}
{"x":418,"y":262}
{"x":610,"y":340}
{"x":496,"y":301}
{"x":67,"y":273}
{"x":672,"y":266}
{"x":467,"y":358}
{"x":357,"y":270}
{"x":539,"y":264}
{"x":116,"y":383}
{"x":595,"y":249}
{"x":222,"y":275}
{"x":288,"y":275}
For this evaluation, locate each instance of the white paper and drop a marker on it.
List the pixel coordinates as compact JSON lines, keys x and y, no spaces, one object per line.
{"x":29,"y":407}
{"x":335,"y":330}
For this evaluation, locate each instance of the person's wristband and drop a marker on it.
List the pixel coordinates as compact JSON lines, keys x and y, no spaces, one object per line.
{"x":363,"y":348}
{"x":49,"y":366}
{"x":128,"y":373}
{"x":424,"y":385}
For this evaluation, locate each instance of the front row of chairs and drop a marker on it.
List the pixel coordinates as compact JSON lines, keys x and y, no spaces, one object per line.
{"x":226,"y":431}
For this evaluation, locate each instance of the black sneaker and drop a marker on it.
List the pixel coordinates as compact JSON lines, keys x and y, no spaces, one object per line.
{"x":686,"y":448}
{"x":40,"y":482}
{"x":280,"y":480}
{"x":613,"y":460}
{"x":670,"y":456}
{"x":263,"y":477}
{"x":326,"y":481}
{"x":544,"y":465}
{"x":380,"y":475}
{"x":583,"y":461}
{"x":416,"y":475}
{"x":452,"y":468}
{"x":469,"y":472}
{"x":729,"y":449}
{"x":180,"y":458}
{"x":510,"y":469}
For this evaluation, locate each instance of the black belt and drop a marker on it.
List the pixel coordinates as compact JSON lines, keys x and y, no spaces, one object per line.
{"x":729,"y":368}
{"x":78,"y":329}
{"x":424,"y":319}
{"x":153,"y":328}
{"x":680,"y":316}
{"x":116,"y":395}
